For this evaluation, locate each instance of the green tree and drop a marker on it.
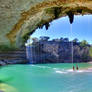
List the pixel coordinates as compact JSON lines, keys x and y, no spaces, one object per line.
{"x":75,"y":40}
{"x":66,"y":40}
{"x":90,"y":51}
{"x":44,"y":38}
{"x":84,"y":43}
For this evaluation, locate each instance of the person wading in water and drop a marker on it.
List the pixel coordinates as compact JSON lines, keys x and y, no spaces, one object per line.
{"x":77,"y":68}
{"x":73,"y":68}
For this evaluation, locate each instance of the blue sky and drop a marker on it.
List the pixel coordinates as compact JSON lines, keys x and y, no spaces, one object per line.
{"x":81,"y":29}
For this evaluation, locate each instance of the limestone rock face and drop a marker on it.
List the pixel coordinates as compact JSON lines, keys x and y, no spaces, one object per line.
{"x":20,"y":18}
{"x":57,"y":52}
{"x":13,"y":57}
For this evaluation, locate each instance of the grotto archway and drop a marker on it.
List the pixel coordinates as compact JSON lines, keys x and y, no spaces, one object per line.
{"x":35,"y":13}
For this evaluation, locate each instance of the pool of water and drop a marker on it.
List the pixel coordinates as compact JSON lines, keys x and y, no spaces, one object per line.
{"x":45,"y":78}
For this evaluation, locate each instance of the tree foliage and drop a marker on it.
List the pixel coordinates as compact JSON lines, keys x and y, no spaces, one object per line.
{"x":75,"y":40}
{"x":84,"y":43}
{"x":44,"y":38}
{"x":82,"y":50}
{"x":90,"y":51}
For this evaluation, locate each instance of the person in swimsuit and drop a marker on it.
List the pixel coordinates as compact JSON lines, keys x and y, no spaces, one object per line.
{"x":73,"y":68}
{"x":77,"y":68}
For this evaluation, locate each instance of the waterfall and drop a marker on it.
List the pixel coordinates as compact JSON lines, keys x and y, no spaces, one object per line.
{"x":30,"y":51}
{"x":88,"y":22}
{"x":31,"y":54}
{"x":71,"y":43}
{"x":38,"y":51}
{"x":27,"y":50}
{"x":41,"y":54}
{"x":71,"y":19}
{"x":27,"y":53}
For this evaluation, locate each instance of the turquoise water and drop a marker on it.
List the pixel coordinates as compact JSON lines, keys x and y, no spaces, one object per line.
{"x":45,"y":78}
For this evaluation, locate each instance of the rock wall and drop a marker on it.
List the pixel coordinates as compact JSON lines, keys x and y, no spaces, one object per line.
{"x":13,"y":57}
{"x":58,"y":52}
{"x":20,"y":18}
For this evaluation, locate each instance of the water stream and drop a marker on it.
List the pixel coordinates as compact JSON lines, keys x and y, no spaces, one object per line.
{"x":71,"y":32}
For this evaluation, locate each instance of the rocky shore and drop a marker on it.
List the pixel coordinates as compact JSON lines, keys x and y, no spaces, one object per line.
{"x":13,"y":57}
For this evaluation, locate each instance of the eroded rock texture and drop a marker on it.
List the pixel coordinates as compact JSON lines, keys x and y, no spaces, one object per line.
{"x":20,"y":18}
{"x":58,"y":52}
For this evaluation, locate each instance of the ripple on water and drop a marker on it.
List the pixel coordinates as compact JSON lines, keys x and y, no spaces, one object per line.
{"x":71,"y":71}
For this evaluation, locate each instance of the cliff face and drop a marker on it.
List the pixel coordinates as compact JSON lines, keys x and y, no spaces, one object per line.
{"x":13,"y":57}
{"x":19,"y":18}
{"x":58,"y":52}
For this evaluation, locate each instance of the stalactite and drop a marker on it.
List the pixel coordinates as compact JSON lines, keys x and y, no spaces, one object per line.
{"x":47,"y":25}
{"x":40,"y":26}
{"x":57,"y":11}
{"x":71,"y":16}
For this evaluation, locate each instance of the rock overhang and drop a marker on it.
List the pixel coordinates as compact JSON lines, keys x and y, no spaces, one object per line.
{"x":19,"y":21}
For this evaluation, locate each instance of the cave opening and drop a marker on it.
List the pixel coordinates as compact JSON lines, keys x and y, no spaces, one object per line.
{"x":52,"y":43}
